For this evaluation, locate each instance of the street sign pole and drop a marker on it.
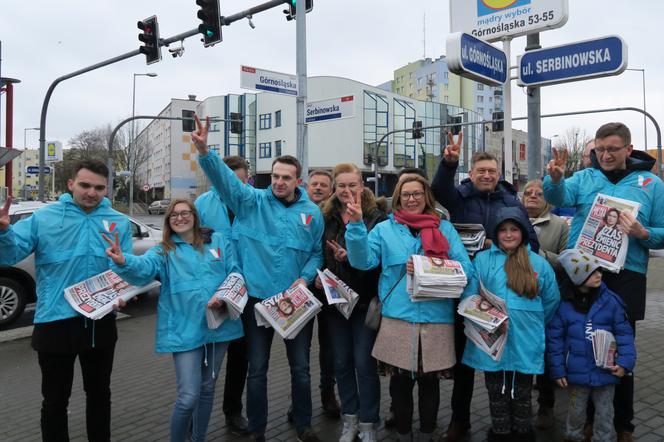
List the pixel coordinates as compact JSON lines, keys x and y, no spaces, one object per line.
{"x":302,"y":153}
{"x":534,"y":120}
{"x":507,"y":104}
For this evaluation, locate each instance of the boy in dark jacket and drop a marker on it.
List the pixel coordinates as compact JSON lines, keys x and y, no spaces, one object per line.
{"x":588,"y":305}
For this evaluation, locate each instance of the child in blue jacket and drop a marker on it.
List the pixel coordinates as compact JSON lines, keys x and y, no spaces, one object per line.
{"x":588,"y":306}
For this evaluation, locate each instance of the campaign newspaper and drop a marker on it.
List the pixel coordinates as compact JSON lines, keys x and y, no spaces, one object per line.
{"x":338,"y":293}
{"x":435,"y":278}
{"x":289,"y":311}
{"x":604,"y":348}
{"x":486,"y":321}
{"x":600,"y":235}
{"x":233,"y":294}
{"x":95,"y":297}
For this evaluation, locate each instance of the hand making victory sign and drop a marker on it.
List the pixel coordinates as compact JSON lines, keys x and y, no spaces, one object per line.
{"x":453,"y":149}
{"x":556,"y":166}
{"x":4,"y":214}
{"x":339,"y":252}
{"x":354,"y":208}
{"x":200,"y":135}
{"x":114,"y":251}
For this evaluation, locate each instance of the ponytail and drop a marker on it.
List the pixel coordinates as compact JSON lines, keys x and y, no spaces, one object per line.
{"x":520,"y":275}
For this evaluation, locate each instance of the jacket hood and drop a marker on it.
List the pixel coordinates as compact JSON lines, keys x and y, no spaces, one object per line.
{"x":467,"y":189}
{"x":514,"y":214}
{"x":637,"y":161}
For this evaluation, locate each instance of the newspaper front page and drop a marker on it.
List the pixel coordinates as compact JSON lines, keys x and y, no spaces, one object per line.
{"x":287,"y":312}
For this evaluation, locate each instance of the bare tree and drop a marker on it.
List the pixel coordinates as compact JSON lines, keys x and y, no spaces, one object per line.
{"x":573,"y":141}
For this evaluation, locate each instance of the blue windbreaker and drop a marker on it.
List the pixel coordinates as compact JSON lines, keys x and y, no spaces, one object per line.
{"x":188,"y":278}
{"x":640,"y":185}
{"x":524,"y":348}
{"x":213,"y":211}
{"x":389,"y":245}
{"x":276,"y":244}
{"x":569,"y":348}
{"x":68,"y":247}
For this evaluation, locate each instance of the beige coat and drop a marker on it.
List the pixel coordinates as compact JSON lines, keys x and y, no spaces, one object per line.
{"x":552,"y":233}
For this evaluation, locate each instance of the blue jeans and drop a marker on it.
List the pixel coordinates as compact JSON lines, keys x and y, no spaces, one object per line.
{"x":196,"y":373}
{"x":259,"y":342}
{"x":354,"y":367}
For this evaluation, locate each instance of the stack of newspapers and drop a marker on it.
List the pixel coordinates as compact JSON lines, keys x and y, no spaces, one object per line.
{"x":435,"y":278}
{"x":232,"y":293}
{"x":604,"y":348}
{"x":95,"y":297}
{"x":289,"y":311}
{"x":338,"y":293}
{"x":472,"y":236}
{"x":486,"y":322}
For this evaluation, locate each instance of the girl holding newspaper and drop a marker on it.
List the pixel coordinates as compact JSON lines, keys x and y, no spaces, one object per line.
{"x":575,"y":358}
{"x":190,"y":265}
{"x":523,"y":283}
{"x":354,"y":368}
{"x":415,"y":341}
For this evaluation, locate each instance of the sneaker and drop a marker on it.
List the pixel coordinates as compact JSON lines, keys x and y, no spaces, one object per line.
{"x":367,"y":432}
{"x":237,"y":424}
{"x":329,"y":402}
{"x":307,"y":435}
{"x":349,"y":431}
{"x":544,"y":419}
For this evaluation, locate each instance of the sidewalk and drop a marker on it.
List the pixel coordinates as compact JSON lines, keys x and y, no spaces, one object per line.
{"x":144,"y":388}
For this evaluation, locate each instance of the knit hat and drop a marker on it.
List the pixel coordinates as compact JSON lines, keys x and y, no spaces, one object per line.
{"x":578,"y":265}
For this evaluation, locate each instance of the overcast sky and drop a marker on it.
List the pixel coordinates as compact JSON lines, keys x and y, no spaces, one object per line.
{"x":362,"y":40}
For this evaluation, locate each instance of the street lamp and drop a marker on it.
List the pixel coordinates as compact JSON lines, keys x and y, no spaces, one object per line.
{"x":25,"y":135}
{"x":645,"y":121}
{"x":131,"y":143}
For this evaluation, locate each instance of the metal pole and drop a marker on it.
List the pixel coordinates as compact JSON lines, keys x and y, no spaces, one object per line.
{"x":645,"y":126}
{"x":507,"y":90}
{"x":9,"y":133}
{"x":534,"y":154}
{"x":131,"y":150}
{"x":301,"y":71}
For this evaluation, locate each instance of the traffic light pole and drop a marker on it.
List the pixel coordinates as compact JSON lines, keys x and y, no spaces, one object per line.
{"x":534,"y":120}
{"x":225,"y":21}
{"x":302,"y":152}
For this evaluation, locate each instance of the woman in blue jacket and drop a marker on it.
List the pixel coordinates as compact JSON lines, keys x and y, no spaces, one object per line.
{"x":415,"y":342}
{"x":527,"y":284}
{"x":588,"y":306}
{"x":190,"y":265}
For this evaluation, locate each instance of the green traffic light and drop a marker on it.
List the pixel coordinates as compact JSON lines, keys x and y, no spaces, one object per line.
{"x":209,"y":33}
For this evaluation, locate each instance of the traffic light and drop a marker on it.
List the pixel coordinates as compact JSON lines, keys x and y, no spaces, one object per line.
{"x":455,"y":122}
{"x":292,"y":8}
{"x":417,"y":130}
{"x":150,"y":37}
{"x":236,"y":123}
{"x":497,"y":126}
{"x":188,"y":123}
{"x":211,"y":26}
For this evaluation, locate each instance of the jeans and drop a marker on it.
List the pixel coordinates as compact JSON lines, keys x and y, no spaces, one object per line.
{"x":196,"y":373}
{"x":355,"y":368}
{"x":576,"y":412}
{"x":259,"y":343}
{"x":57,"y":379}
{"x":325,"y":353}
{"x":236,"y":377}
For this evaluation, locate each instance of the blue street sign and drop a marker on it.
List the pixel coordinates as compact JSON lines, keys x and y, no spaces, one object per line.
{"x":582,"y":60}
{"x":34,"y":170}
{"x":476,"y":59}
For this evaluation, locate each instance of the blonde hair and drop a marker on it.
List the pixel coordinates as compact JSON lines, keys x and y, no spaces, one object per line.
{"x":430,"y":202}
{"x":536,"y":183}
{"x":520,"y":275}
{"x":346,"y":168}
{"x":167,"y":243}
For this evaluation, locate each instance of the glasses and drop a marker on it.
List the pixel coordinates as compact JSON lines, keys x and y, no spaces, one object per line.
{"x":405,"y":196}
{"x":611,"y":150}
{"x":351,"y":186}
{"x":185,"y":214}
{"x":537,"y":193}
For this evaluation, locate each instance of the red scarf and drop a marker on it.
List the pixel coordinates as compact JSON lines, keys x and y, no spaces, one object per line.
{"x":434,"y":242}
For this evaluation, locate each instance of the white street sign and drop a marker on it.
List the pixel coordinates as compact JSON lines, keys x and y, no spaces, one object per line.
{"x":270,"y":81}
{"x":491,"y":20}
{"x":53,"y":151}
{"x":332,"y":109}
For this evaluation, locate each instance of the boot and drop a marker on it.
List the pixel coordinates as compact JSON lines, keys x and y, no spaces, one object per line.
{"x":587,"y":432}
{"x":349,"y":431}
{"x":625,"y":436}
{"x":367,"y":432}
{"x":544,"y":419}
{"x":456,"y":432}
{"x":329,"y":402}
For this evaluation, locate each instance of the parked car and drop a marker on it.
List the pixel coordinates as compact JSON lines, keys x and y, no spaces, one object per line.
{"x":17,"y":283}
{"x":158,"y":207}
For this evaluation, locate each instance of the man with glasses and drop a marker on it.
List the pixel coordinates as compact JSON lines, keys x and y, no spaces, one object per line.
{"x":475,"y":200}
{"x":620,"y":171}
{"x":66,"y":238}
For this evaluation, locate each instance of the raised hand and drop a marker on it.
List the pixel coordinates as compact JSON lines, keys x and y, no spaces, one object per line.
{"x":114,"y":251}
{"x":354,"y":208}
{"x":556,"y":166}
{"x":339,"y":252}
{"x":4,"y":214}
{"x":453,"y":149}
{"x":200,"y":135}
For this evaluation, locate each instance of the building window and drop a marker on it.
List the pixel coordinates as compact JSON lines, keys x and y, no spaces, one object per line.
{"x":376,"y":115}
{"x":446,"y":98}
{"x":265,"y":121}
{"x":214,"y":147}
{"x":264,"y":150}
{"x":480,"y":87}
{"x":446,"y":75}
{"x":480,"y":110}
{"x":214,"y":126}
{"x":277,"y":119}
{"x":277,"y":148}
{"x":403,"y":144}
{"x":480,"y":99}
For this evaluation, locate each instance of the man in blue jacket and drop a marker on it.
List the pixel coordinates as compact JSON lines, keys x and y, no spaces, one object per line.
{"x":215,"y":214}
{"x":475,"y":200}
{"x":279,"y":237}
{"x":618,"y":171}
{"x":66,"y":238}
